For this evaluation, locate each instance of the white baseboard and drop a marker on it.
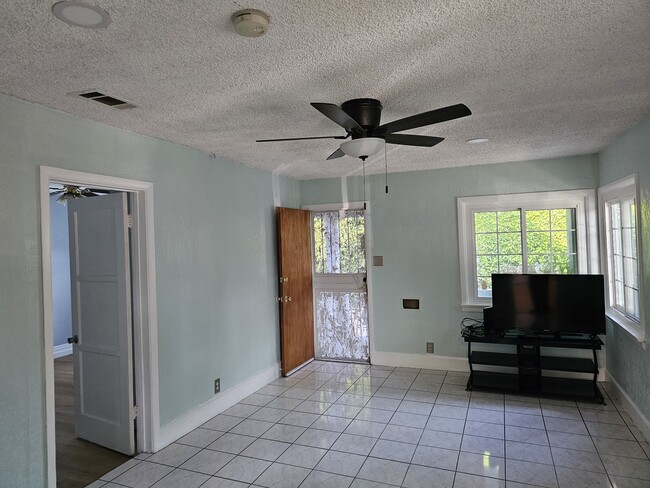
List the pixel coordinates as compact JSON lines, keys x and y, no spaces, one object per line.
{"x":640,"y":420}
{"x":427,"y":361}
{"x":62,"y":350}
{"x":183,"y":425}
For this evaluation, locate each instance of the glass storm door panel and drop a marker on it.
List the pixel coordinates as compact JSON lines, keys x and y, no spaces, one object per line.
{"x":340,"y":294}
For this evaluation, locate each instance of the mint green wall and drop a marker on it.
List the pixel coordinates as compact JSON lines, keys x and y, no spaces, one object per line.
{"x":415,"y":228}
{"x":215,"y":267}
{"x":627,"y":360}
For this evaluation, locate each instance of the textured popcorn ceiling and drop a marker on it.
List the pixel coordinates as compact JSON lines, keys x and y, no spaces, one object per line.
{"x":543,"y":78}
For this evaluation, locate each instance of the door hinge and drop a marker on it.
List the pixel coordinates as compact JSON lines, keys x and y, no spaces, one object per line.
{"x":134,"y":411}
{"x":130,"y":221}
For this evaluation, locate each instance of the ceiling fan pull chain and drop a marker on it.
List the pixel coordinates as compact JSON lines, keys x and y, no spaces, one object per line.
{"x":363,"y":158}
{"x":386,"y":168}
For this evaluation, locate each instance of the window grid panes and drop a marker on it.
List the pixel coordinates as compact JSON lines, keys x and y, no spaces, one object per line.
{"x":623,"y":257}
{"x":339,"y":242}
{"x":545,"y":244}
{"x":551,"y":241}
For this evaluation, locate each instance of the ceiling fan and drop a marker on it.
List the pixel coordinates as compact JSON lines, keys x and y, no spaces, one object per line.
{"x":360,"y":118}
{"x":71,"y":192}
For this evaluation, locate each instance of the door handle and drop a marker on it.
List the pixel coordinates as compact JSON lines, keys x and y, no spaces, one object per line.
{"x":73,"y":340}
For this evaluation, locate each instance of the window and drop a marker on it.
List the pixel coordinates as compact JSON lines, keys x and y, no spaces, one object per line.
{"x":339,"y":242}
{"x":620,"y":243}
{"x":523,"y":233}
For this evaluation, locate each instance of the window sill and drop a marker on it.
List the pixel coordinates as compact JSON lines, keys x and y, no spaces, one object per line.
{"x":636,"y":330}
{"x":474,"y":307}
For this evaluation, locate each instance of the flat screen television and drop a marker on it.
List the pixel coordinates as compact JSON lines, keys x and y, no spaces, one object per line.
{"x":569,"y":304}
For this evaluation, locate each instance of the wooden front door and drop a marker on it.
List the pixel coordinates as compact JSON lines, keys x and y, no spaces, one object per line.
{"x":296,"y":295}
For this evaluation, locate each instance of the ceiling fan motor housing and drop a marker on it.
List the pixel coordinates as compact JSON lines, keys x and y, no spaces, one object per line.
{"x":366,"y":112}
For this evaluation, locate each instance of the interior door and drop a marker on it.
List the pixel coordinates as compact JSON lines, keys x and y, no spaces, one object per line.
{"x":296,"y":299}
{"x":101,"y":321}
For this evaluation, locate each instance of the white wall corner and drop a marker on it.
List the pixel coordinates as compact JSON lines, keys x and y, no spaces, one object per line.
{"x":198,"y":416}
{"x":640,"y":420}
{"x":62,"y":350}
{"x":426,"y":361}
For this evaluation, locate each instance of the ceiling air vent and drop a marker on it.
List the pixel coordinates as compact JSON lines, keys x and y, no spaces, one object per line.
{"x":105,"y":99}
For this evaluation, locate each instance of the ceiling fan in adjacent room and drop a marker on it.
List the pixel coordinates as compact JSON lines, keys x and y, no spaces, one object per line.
{"x":361,"y":117}
{"x":71,"y":192}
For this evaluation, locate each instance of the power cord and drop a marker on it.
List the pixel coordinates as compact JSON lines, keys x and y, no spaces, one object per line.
{"x":471,"y":327}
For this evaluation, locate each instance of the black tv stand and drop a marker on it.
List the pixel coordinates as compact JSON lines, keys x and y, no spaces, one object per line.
{"x":524,"y":369}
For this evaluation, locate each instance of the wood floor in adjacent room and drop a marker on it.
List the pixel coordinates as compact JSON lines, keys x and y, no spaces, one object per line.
{"x":78,"y":462}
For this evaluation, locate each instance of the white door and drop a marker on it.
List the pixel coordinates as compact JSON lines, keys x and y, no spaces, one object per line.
{"x":101,"y":321}
{"x":340,"y":293}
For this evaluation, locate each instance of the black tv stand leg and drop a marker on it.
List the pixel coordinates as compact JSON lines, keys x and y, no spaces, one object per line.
{"x":599,"y":395}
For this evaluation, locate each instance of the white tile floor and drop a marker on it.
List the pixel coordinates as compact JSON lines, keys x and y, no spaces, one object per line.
{"x":336,"y":425}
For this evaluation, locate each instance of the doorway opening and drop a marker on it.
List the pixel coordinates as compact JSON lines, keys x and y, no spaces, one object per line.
{"x":340,"y":291}
{"x":140,"y":289}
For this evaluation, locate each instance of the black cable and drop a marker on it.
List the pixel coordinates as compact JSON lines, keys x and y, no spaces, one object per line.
{"x":471,"y":327}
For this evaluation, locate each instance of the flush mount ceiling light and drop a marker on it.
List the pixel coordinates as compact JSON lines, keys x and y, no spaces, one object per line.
{"x":363,"y":147}
{"x":81,"y":14}
{"x":478,"y":140}
{"x":250,"y":23}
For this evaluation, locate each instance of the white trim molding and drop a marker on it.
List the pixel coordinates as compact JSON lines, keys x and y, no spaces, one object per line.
{"x":144,"y":304}
{"x":583,"y":201}
{"x":640,"y":420}
{"x":426,"y":361}
{"x":326,"y":207}
{"x":201,"y":414}
{"x":61,"y":350}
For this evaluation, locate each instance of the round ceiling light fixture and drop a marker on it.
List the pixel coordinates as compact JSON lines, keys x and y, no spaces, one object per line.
{"x":478,"y":140}
{"x":250,"y":22}
{"x":363,"y":146}
{"x":81,"y":14}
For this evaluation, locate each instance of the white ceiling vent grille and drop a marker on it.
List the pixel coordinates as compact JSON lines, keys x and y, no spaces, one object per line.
{"x":105,"y":99}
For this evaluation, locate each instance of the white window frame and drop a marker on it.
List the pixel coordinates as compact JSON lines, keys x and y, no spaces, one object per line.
{"x":583,"y":201}
{"x":612,"y":193}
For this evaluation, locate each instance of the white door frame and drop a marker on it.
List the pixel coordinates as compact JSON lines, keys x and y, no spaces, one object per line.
{"x":145,"y":331}
{"x":368,"y":233}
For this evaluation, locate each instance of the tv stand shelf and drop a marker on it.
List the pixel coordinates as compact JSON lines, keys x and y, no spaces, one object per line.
{"x":524,"y":369}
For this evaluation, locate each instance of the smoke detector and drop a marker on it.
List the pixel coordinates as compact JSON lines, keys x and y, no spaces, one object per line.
{"x":250,"y":23}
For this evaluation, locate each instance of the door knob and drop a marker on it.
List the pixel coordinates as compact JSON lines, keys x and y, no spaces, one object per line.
{"x":73,"y":340}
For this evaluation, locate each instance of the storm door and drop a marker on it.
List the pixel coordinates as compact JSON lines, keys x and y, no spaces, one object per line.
{"x":340,"y":293}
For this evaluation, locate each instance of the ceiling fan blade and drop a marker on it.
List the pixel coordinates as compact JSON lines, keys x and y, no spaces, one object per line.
{"x":426,"y":118}
{"x":413,"y":140}
{"x":336,"y":154}
{"x":98,"y":191}
{"x":56,"y":192}
{"x":336,"y":114}
{"x":301,"y":138}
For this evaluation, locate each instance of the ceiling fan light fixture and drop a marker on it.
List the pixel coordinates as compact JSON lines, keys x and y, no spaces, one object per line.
{"x":363,"y":146}
{"x":63,"y":199}
{"x":81,"y":14}
{"x":477,"y":140}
